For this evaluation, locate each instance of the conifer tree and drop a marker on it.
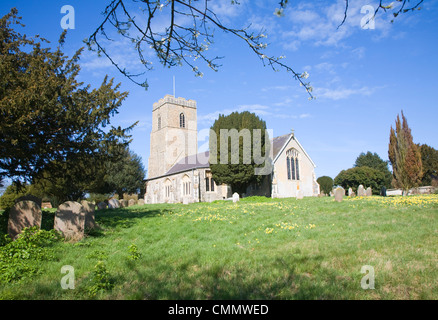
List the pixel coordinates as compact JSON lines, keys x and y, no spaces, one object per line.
{"x":405,"y":156}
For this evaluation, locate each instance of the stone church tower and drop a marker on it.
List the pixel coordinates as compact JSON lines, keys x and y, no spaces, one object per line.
{"x":174,"y":134}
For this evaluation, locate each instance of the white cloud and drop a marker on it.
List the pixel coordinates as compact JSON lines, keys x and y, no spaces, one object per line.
{"x":342,"y":93}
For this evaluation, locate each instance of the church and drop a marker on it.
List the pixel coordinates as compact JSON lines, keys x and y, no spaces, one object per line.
{"x":177,"y":173}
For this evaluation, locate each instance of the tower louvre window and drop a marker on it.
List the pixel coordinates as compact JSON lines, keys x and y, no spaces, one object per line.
{"x":182,"y":120}
{"x":159,"y":122}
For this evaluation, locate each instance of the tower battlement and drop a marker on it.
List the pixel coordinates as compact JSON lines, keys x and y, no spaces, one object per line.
{"x":178,"y":101}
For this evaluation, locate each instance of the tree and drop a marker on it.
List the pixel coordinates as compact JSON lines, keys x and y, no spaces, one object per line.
{"x":374,"y":161}
{"x":326,"y":184}
{"x":366,"y":176}
{"x":234,"y":159}
{"x":49,"y":119}
{"x":125,"y":175}
{"x":405,"y":156}
{"x":429,"y":159}
{"x":189,"y":32}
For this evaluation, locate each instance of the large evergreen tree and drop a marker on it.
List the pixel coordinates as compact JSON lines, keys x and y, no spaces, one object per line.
{"x":235,"y":161}
{"x":373,"y":160}
{"x":429,"y":159}
{"x":405,"y":156}
{"x":50,"y":122}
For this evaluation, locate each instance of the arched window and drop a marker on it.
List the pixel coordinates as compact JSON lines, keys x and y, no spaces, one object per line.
{"x":182,"y":120}
{"x":186,"y":186}
{"x":293,"y":168}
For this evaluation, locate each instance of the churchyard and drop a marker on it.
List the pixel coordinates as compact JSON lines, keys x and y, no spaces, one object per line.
{"x":257,"y":248}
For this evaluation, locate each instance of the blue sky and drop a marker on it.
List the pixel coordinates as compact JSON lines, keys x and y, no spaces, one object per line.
{"x":362,"y":78}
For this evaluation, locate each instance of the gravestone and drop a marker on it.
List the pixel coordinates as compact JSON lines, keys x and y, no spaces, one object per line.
{"x":30,"y":197}
{"x":236,"y":197}
{"x":131,"y":202}
{"x":101,"y":205}
{"x":113,"y":204}
{"x":23,"y":214}
{"x":185,"y":200}
{"x":123,"y":203}
{"x":361,"y":191}
{"x":339,"y":194}
{"x":383,"y":191}
{"x":141,"y":202}
{"x":369,"y":192}
{"x":70,"y":220}
{"x":350,"y":192}
{"x":89,"y":207}
{"x":300,"y":195}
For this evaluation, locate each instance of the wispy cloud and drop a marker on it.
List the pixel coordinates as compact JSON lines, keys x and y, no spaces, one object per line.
{"x":343,"y":93}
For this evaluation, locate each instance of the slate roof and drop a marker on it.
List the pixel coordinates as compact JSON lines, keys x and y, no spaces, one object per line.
{"x":200,"y":160}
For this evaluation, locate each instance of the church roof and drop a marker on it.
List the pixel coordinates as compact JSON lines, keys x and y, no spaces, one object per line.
{"x":200,"y":160}
{"x":195,"y":161}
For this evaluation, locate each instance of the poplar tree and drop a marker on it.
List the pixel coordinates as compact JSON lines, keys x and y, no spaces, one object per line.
{"x":405,"y":156}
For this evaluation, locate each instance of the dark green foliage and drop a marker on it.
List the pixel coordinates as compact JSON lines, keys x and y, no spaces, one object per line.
{"x":374,"y":161}
{"x":325,"y":184}
{"x":124,"y":174}
{"x":53,"y":127}
{"x":20,"y":259}
{"x":366,"y":176}
{"x":239,"y":174}
{"x":429,"y":159}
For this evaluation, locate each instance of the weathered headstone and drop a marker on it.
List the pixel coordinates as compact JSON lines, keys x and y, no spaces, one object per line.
{"x":350,"y":192}
{"x":113,"y":204}
{"x":141,"y":202}
{"x":90,"y":222}
{"x":30,"y":197}
{"x":361,"y":191}
{"x":339,"y":194}
{"x":70,"y":220}
{"x":383,"y":191}
{"x":102,"y":205}
{"x":23,"y":214}
{"x":369,"y":192}
{"x":236,"y":197}
{"x":300,"y":195}
{"x":123,"y":203}
{"x":185,"y":200}
{"x":131,"y":202}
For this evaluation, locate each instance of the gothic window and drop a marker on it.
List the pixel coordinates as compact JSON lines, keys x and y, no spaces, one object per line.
{"x":209,"y":182}
{"x":167,"y":188}
{"x":182,"y":120}
{"x":293,"y":168}
{"x":186,"y":186}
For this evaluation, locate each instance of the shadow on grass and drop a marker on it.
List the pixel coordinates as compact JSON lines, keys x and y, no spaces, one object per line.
{"x":274,"y":280}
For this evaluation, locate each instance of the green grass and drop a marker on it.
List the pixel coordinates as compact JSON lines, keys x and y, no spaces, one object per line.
{"x":275,"y":249}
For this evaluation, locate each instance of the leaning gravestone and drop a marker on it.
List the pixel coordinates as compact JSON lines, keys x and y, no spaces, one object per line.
{"x":30,"y":197}
{"x":236,"y":197}
{"x":131,"y":202}
{"x":23,"y":214}
{"x":369,"y":192}
{"x":102,"y":205}
{"x":339,"y":194}
{"x":90,"y":222}
{"x":361,"y":191}
{"x":114,"y":204}
{"x":70,"y":220}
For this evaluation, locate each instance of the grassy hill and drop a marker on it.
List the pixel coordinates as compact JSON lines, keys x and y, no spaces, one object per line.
{"x":256,"y":249}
